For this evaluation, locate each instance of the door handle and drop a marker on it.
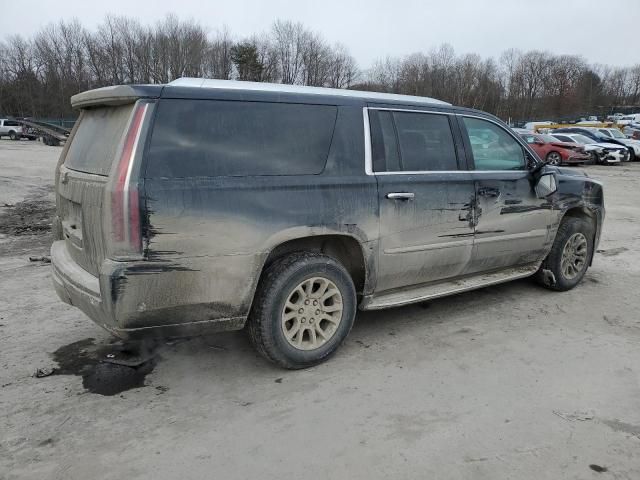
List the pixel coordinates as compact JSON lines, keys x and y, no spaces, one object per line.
{"x":401,"y":195}
{"x":489,"y":192}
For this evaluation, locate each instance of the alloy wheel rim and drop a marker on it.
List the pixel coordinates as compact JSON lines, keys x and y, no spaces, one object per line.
{"x":312,"y":313}
{"x":554,"y":158}
{"x":574,"y":256}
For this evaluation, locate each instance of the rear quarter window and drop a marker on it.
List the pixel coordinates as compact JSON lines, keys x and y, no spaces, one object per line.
{"x":204,"y":138}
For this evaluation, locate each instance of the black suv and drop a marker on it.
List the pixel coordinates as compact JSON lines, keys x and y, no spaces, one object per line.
{"x":208,"y":205}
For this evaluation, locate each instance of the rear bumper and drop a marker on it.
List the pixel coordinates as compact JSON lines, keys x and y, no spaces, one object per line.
{"x":136,"y":299}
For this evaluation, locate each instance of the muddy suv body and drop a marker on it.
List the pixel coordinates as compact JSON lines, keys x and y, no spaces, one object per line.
{"x":203,"y":205}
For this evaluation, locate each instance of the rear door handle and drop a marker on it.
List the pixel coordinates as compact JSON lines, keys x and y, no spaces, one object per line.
{"x":489,"y":192}
{"x":401,"y":195}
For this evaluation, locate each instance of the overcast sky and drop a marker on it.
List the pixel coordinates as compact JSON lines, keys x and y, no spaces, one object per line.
{"x":603,"y":31}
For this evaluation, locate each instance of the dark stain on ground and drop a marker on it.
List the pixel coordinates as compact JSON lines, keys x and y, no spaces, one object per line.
{"x":598,"y":468}
{"x":30,"y":217}
{"x":95,"y":364}
{"x":612,"y":251}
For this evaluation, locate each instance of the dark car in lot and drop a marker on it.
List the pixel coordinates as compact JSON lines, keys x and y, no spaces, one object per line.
{"x":554,"y":151}
{"x":208,"y":205}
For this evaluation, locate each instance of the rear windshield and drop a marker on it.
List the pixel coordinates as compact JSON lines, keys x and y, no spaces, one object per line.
{"x":193,"y":138}
{"x":95,"y":142}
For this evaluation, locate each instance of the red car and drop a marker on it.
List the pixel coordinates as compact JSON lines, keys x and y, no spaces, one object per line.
{"x":555,"y":152}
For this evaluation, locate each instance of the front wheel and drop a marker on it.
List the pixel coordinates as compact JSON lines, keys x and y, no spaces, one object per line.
{"x":304,"y":308}
{"x":554,"y":158}
{"x":570,"y":255}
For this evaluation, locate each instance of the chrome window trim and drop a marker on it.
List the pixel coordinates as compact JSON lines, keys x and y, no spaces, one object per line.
{"x":368,"y":159}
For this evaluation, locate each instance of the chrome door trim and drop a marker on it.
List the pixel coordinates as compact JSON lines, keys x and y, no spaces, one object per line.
{"x":368,"y":159}
{"x":433,"y":246}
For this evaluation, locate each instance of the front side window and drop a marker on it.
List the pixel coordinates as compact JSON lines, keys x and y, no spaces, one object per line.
{"x":411,"y":142}
{"x":492,"y":147}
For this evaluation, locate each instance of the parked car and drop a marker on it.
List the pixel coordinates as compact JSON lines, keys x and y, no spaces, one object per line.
{"x":521,"y":131}
{"x":10,"y":128}
{"x":628,"y":119}
{"x":208,"y":205}
{"x":632,"y":131}
{"x":597,"y":137}
{"x":603,"y":153}
{"x":555,"y":152}
{"x":533,"y":125}
{"x":633,"y":145}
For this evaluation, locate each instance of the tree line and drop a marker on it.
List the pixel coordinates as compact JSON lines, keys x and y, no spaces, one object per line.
{"x":518,"y":86}
{"x":38,"y":74}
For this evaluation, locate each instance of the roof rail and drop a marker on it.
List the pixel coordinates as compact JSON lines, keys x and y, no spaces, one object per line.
{"x":284,"y":88}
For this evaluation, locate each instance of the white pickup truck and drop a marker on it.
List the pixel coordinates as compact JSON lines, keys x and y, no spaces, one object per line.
{"x":10,"y":128}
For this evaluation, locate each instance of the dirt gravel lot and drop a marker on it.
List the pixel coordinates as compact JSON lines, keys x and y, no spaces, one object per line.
{"x":510,"y":381}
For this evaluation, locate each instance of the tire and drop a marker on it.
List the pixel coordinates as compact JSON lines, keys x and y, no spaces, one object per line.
{"x":554,"y":158}
{"x":292,"y":280}
{"x":13,"y":135}
{"x":571,"y":230}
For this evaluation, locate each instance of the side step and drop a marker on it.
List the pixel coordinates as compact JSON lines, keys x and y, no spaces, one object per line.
{"x":420,"y":293}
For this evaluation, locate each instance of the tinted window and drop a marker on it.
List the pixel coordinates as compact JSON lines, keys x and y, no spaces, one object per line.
{"x":227,"y":138}
{"x":95,"y":142}
{"x":11,"y":123}
{"x":564,"y":138}
{"x":384,"y":146}
{"x":492,"y":147}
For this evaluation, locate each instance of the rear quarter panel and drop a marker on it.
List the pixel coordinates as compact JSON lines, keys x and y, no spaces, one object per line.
{"x":207,"y":238}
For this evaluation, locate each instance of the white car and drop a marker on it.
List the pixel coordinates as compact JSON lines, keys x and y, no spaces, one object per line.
{"x":601,"y":152}
{"x":622,"y":138}
{"x":10,"y":128}
{"x":532,"y":125}
{"x":628,"y":119}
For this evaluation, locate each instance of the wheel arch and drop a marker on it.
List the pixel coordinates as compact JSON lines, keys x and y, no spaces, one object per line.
{"x":344,"y":248}
{"x":585,"y":213}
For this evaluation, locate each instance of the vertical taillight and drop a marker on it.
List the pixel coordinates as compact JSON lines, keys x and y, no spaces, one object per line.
{"x":125,"y":209}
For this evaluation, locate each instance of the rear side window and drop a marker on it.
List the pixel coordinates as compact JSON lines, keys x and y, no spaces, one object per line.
{"x":194,"y":138}
{"x":96,"y":140}
{"x":411,"y":142}
{"x":11,"y":123}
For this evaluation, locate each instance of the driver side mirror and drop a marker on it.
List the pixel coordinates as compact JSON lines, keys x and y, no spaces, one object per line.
{"x":546,"y":185}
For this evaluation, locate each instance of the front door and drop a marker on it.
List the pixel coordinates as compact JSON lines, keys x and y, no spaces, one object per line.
{"x":512,"y":223}
{"x":425,"y":198}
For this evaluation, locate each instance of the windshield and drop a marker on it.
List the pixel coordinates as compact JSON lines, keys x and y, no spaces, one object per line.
{"x":616,"y":133}
{"x":548,"y":138}
{"x":582,"y":139}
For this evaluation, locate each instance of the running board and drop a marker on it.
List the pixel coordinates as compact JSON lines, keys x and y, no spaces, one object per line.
{"x":421,"y":293}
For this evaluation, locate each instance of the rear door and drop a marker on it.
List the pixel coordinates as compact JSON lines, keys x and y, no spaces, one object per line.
{"x":512,"y":224}
{"x":425,"y":197}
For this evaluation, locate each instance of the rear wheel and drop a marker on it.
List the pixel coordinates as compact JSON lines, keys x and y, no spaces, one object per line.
{"x":13,"y":135}
{"x":303,"y":310}
{"x":570,"y":255}
{"x":554,"y":158}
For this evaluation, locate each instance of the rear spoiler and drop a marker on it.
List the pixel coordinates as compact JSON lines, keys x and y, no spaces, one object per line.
{"x":115,"y":95}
